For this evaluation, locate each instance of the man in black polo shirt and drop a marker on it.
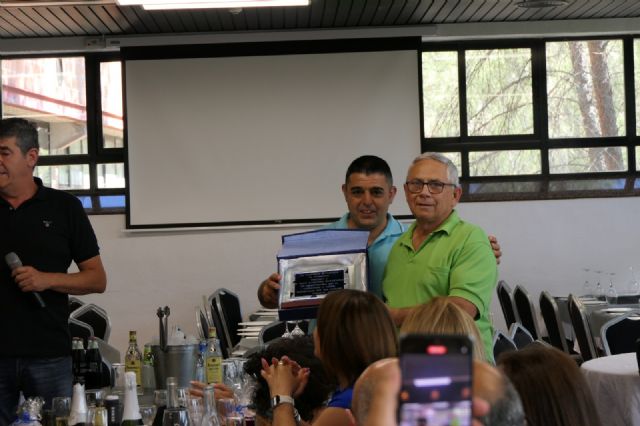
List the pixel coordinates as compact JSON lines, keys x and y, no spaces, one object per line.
{"x":47,"y":229}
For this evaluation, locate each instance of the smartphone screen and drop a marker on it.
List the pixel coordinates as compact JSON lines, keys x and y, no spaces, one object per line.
{"x":436,"y":381}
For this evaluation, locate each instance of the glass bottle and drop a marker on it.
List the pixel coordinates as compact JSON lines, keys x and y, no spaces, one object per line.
{"x":131,"y":414}
{"x":78,"y":414}
{"x":133,"y":358}
{"x":174,"y":415}
{"x":78,"y":360}
{"x":210,"y":417}
{"x":93,"y":375}
{"x":147,"y":373}
{"x":200,"y":362}
{"x":213,"y":359}
{"x":160,"y":401}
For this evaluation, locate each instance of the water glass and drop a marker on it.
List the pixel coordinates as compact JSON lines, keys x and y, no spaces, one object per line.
{"x":195,"y":407}
{"x":97,"y":416}
{"x":61,"y":407}
{"x":176,"y":417}
{"x":148,"y":413}
{"x":94,"y":397}
{"x":183,"y":394}
{"x":117,"y":374}
{"x":234,"y":420}
{"x":226,"y":407}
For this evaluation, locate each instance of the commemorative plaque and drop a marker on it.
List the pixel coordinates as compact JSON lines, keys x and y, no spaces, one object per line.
{"x":313,"y":264}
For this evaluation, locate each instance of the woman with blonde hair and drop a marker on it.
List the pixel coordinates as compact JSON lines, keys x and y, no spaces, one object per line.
{"x":442,"y":316}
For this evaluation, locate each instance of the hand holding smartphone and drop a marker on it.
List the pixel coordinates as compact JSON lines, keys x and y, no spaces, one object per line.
{"x":436,"y":380}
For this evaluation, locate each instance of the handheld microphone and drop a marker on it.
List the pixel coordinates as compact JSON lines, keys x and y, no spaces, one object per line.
{"x":13,"y":261}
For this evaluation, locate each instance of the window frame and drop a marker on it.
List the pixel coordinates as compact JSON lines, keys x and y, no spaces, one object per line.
{"x":96,"y":152}
{"x":539,"y":139}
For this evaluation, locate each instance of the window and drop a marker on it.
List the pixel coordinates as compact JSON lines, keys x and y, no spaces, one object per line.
{"x":76,"y":104}
{"x":536,"y":119}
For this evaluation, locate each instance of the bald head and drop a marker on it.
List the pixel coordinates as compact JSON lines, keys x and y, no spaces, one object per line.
{"x":375,"y":393}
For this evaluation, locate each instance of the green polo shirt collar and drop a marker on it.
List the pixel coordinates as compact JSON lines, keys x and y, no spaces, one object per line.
{"x":445,"y":227}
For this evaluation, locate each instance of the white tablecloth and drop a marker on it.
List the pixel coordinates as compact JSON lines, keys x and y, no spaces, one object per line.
{"x":615,"y":384}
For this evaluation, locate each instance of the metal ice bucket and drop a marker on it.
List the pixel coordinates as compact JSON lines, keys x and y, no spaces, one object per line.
{"x":177,"y":361}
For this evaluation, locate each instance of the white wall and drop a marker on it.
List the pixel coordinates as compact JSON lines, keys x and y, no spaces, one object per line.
{"x":545,"y":243}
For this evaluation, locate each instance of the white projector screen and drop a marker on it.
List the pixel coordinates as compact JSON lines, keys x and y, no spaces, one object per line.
{"x":263,"y":139}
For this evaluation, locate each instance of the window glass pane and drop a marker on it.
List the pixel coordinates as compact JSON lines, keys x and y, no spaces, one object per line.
{"x":111,"y":95}
{"x":638,"y":158}
{"x":498,"y":187}
{"x":65,"y":176}
{"x":50,"y":92}
{"x":440,"y":94}
{"x":456,"y":159}
{"x":636,"y":66}
{"x":588,"y":160}
{"x":499,"y":92}
{"x":86,"y":201}
{"x":112,"y":201}
{"x":504,"y":163}
{"x":111,"y":175}
{"x":585,"y":88}
{"x":587,"y":185}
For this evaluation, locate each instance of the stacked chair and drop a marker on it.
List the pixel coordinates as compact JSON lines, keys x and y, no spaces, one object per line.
{"x":581,"y":328}
{"x":619,"y":335}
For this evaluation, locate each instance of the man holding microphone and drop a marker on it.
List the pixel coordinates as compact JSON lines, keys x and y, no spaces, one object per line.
{"x":42,"y":230}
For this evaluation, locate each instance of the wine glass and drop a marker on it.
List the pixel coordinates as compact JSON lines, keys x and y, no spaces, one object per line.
{"x":612,"y":294}
{"x":287,"y":333}
{"x":297,"y":331}
{"x":633,"y":286}
{"x":587,"y":288}
{"x":599,"y":290}
{"x":148,"y":413}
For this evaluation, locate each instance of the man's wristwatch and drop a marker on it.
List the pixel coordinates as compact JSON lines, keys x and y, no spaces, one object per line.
{"x":285,"y":399}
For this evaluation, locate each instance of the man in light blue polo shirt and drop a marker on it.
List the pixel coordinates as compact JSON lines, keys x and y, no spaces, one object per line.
{"x":368,"y":191}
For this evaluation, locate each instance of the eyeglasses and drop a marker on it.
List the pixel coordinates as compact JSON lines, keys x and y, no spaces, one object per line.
{"x":416,"y":186}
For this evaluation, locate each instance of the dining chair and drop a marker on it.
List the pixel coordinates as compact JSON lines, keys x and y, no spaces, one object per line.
{"x":80,"y":329}
{"x":96,"y":317}
{"x":580,"y":324}
{"x":526,"y":311}
{"x":505,"y":297}
{"x":551,"y":317}
{"x":218,"y":323}
{"x":520,"y":335}
{"x":74,"y":303}
{"x":502,"y":343}
{"x":228,"y":304}
{"x":619,"y":334}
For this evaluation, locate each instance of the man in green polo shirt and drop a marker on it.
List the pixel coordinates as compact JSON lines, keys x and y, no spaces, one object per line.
{"x":440,"y":254}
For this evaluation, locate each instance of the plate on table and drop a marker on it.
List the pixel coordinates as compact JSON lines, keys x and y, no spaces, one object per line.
{"x":594,"y":302}
{"x":254,"y":323}
{"x":617,"y":310}
{"x":250,"y":329}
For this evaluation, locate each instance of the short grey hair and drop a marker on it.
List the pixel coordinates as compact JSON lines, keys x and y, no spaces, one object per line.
{"x":452,"y":170}
{"x":506,"y":410}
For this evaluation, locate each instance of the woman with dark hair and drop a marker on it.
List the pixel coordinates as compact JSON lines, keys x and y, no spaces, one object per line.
{"x":551,"y":386}
{"x":354,"y":330}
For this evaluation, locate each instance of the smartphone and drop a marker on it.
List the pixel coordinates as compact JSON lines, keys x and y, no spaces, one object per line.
{"x":436,"y":380}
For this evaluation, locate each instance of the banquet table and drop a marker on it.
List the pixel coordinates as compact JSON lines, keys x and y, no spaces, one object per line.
{"x":615,"y":385}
